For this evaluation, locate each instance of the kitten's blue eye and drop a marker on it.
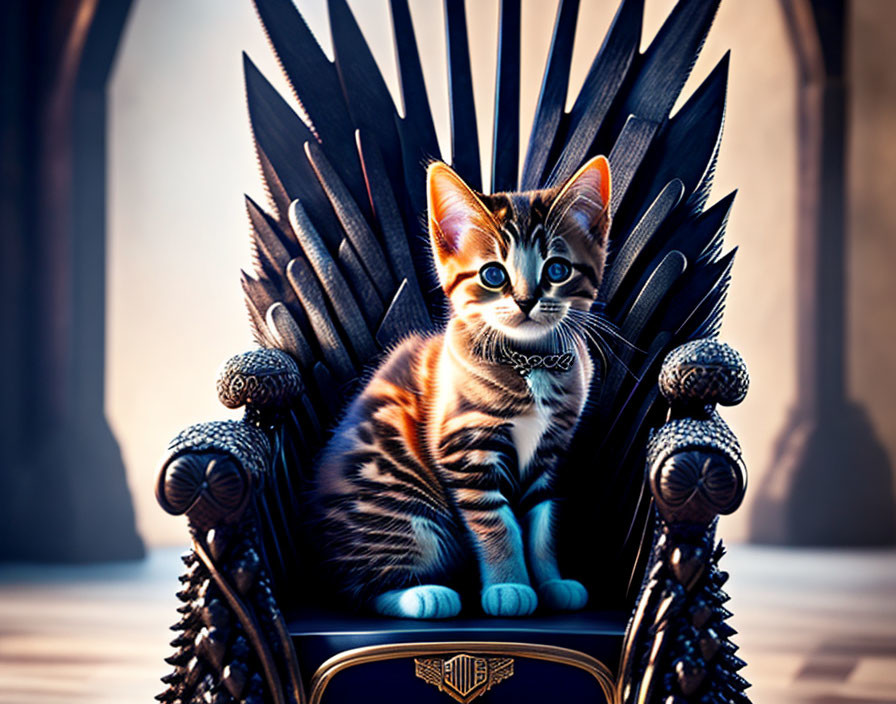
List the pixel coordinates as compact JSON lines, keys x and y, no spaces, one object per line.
{"x":493,"y":276}
{"x":557,"y":270}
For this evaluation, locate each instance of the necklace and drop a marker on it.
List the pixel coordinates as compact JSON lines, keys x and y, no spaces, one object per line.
{"x":525,"y":363}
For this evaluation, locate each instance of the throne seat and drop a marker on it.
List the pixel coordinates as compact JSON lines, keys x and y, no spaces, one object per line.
{"x":574,"y":656}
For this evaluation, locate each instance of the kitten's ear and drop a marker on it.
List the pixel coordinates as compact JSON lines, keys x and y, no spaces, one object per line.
{"x":583,"y":204}
{"x":455,"y":212}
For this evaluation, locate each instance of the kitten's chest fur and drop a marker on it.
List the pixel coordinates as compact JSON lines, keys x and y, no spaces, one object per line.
{"x":529,"y":429}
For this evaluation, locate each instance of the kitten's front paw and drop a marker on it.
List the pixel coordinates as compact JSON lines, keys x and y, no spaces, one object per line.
{"x":509,"y":600}
{"x":425,"y":601}
{"x":563,"y":594}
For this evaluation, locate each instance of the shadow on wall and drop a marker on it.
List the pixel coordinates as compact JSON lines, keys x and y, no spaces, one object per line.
{"x":828,"y":486}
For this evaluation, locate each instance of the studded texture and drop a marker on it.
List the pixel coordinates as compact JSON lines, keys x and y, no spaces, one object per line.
{"x":704,"y":371}
{"x":247,"y":444}
{"x":261,"y":378}
{"x":685,"y":433}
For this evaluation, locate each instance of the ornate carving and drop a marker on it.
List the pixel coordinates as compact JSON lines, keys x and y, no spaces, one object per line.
{"x":213,"y":660}
{"x":209,"y":470}
{"x":677,"y":646}
{"x":694,"y":463}
{"x":233,"y":646}
{"x":464,"y":677}
{"x":696,"y":485}
{"x":264,"y":378}
{"x":704,"y":371}
{"x":247,"y":444}
{"x":695,"y":469}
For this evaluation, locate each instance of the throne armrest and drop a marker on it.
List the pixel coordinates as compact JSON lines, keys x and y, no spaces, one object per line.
{"x":677,"y":647}
{"x":232,"y":643}
{"x":210,"y":471}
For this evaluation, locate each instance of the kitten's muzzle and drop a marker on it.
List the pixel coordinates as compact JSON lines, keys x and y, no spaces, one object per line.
{"x":525,"y":304}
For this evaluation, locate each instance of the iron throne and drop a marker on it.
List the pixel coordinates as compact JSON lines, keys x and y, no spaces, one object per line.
{"x":342,"y":273}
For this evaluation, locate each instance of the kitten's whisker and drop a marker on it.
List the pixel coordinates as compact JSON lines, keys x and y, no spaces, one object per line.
{"x":595,"y":321}
{"x":584,"y":336}
{"x":602,"y":345}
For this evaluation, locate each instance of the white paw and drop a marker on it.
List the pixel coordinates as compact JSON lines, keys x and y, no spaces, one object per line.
{"x":563,"y":594}
{"x":509,"y":600}
{"x":425,"y":601}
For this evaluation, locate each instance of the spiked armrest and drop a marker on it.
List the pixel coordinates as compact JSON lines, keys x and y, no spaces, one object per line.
{"x":677,"y":647}
{"x":232,"y":643}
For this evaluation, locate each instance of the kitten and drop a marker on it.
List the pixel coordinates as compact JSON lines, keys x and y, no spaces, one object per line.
{"x":450,"y":451}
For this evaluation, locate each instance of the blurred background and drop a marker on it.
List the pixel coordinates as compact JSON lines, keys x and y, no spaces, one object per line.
{"x":126,"y":151}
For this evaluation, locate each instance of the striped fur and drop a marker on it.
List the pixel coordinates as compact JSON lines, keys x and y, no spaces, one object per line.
{"x":449,"y":453}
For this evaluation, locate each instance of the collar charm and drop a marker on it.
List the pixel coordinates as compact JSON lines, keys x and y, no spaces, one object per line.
{"x":525,"y":363}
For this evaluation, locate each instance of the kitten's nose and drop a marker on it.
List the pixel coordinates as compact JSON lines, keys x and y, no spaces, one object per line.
{"x":525,"y":304}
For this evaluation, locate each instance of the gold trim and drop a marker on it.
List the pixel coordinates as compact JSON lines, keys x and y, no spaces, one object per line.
{"x":395,"y":651}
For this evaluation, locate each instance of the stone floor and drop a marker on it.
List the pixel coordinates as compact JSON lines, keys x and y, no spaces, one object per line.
{"x":816,"y":627}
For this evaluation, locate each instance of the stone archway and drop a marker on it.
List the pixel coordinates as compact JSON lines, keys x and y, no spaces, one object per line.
{"x":63,"y":495}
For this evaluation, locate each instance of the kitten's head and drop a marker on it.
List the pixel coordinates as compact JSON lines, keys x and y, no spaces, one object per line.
{"x":520,"y":267}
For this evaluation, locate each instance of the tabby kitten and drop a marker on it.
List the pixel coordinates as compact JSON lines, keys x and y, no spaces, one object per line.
{"x":451,"y":450}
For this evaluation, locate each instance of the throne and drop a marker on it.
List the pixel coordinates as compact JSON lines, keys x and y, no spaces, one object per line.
{"x":342,"y":274}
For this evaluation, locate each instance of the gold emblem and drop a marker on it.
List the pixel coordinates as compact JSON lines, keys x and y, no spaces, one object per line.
{"x":464,"y":677}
